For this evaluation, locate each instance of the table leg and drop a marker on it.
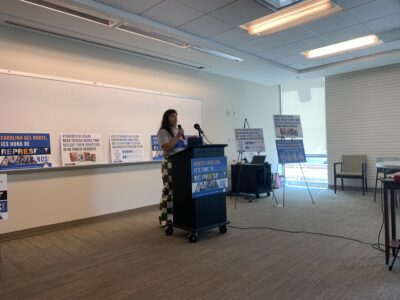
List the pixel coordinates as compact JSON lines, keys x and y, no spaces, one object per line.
{"x":393,"y":215}
{"x":386,"y":221}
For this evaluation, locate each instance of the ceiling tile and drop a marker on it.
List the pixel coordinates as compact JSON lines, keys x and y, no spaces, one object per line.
{"x":291,"y":35}
{"x":346,"y":4}
{"x":305,"y":65}
{"x":136,"y":7}
{"x":372,"y":50}
{"x":233,"y":37}
{"x":205,"y":26}
{"x":375,"y":10}
{"x":384,"y":24}
{"x":293,"y":48}
{"x":172,"y":13}
{"x":241,"y":12}
{"x":206,"y":6}
{"x":345,"y":34}
{"x":258,"y":45}
{"x":292,"y":59}
{"x":332,"y":23}
{"x":395,"y":45}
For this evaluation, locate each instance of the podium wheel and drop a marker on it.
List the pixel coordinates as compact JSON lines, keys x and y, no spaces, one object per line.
{"x":169,"y":230}
{"x":223,"y":229}
{"x":192,"y":238}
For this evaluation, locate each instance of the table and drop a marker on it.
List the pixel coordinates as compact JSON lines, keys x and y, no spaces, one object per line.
{"x":389,"y":187}
{"x":385,"y":167}
{"x":251,"y":179}
{"x":390,"y":164}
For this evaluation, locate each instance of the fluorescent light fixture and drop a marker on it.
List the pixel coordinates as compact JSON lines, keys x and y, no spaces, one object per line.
{"x":216,"y":53}
{"x":350,"y":45}
{"x":152,"y":34}
{"x":295,"y":15}
{"x":69,"y":11}
{"x":182,"y":63}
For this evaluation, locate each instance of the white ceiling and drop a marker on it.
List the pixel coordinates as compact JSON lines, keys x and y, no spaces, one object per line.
{"x":214,"y":24}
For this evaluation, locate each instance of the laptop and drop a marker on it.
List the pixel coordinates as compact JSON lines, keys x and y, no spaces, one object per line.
{"x":258,"y":160}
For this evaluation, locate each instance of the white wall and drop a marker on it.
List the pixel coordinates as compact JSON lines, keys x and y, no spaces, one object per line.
{"x":362,"y":113}
{"x":46,"y":198}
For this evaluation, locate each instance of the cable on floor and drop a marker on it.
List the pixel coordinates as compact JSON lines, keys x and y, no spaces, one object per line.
{"x":373,"y":245}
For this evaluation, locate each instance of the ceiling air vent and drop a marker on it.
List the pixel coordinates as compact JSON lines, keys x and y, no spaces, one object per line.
{"x":277,"y":4}
{"x":153,"y":34}
{"x":70,"y":11}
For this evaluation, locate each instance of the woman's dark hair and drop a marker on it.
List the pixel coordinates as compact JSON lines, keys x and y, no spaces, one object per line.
{"x":165,"y":120}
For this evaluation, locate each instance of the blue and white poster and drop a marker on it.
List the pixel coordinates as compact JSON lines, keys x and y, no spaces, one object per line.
{"x":209,"y":176}
{"x":290,"y":151}
{"x":3,"y":197}
{"x":24,"y":150}
{"x":156,"y":151}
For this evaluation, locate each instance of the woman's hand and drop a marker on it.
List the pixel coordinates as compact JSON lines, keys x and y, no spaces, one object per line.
{"x":181,"y":132}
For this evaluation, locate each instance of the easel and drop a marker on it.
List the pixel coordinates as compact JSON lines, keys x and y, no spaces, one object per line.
{"x":239,"y":160}
{"x":284,"y":182}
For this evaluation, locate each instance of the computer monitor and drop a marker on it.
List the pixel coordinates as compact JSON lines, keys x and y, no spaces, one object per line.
{"x":258,"y":159}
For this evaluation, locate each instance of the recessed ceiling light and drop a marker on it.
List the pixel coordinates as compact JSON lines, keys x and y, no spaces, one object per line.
{"x":295,"y":15}
{"x":350,"y":45}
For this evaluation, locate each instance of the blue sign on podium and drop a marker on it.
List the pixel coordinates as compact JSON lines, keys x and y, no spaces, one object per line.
{"x":209,"y":176}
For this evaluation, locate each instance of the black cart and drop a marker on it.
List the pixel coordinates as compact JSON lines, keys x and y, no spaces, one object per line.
{"x":195,"y":214}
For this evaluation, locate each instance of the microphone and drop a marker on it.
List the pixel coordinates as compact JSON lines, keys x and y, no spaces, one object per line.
{"x":180,"y":127}
{"x":197,"y":127}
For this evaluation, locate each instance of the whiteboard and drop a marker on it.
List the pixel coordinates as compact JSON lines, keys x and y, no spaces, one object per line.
{"x":32,"y":103}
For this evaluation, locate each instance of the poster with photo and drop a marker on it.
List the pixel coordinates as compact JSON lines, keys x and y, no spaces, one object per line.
{"x":156,"y":151}
{"x":3,"y":198}
{"x":81,"y":149}
{"x":209,"y":176}
{"x":249,"y":140}
{"x":126,"y":147}
{"x":24,"y":150}
{"x":290,"y":151}
{"x":288,"y":126}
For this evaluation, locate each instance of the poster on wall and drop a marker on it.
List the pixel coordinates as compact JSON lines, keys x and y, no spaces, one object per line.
{"x":156,"y":151}
{"x":209,"y":176}
{"x":24,"y":150}
{"x":3,"y":197}
{"x":81,"y":149}
{"x":287,"y":126}
{"x":249,"y":140}
{"x":126,"y":147}
{"x":290,"y":151}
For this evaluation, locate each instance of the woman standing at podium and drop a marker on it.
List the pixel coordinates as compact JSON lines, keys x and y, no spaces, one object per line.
{"x":170,"y":139}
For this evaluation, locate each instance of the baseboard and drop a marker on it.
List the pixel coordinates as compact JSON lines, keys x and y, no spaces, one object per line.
{"x":64,"y":225}
{"x":351,"y":188}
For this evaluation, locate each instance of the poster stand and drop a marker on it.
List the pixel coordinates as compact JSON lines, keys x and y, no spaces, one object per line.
{"x":239,"y":161}
{"x":284,"y":183}
{"x":284,"y":186}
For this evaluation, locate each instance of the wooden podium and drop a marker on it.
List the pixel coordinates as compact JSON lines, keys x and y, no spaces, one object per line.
{"x":195,"y":214}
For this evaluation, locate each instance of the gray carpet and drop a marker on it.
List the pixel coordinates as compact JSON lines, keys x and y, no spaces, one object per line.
{"x":129,"y":257}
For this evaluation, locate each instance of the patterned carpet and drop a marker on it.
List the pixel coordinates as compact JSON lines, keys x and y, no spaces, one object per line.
{"x":129,"y":257}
